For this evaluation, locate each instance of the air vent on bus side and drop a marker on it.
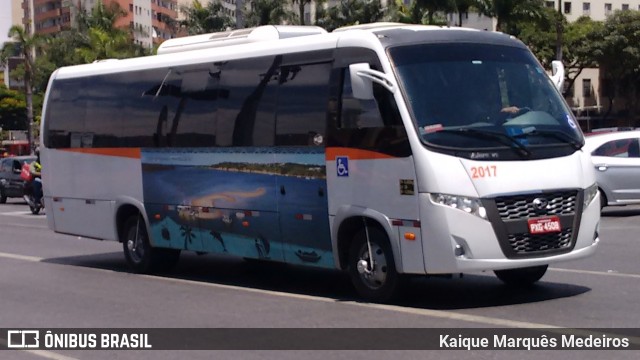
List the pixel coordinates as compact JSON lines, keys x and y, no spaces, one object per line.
{"x":236,"y":37}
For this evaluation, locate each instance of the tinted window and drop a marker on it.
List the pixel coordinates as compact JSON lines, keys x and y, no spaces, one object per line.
{"x":246,"y":109}
{"x":303,"y":95}
{"x":193,"y":121}
{"x":625,"y":148}
{"x":229,"y":103}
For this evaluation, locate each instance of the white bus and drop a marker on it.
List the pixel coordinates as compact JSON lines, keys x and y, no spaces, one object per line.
{"x":384,"y":150}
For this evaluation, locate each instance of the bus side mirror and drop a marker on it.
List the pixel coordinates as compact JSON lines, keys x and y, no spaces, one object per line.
{"x":361,"y":87}
{"x":362,"y":79}
{"x":557,"y":70}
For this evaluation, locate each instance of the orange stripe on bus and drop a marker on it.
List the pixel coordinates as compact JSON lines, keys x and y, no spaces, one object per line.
{"x":133,"y":153}
{"x":354,"y":154}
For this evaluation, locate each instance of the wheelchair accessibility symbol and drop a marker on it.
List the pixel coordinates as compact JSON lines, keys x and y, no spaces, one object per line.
{"x":342,"y":165}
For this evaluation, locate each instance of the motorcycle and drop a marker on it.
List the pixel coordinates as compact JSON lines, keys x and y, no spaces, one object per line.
{"x":34,"y":205}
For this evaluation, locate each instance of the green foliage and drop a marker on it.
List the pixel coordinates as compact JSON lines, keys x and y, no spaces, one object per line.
{"x":201,"y":19}
{"x":265,"y":12}
{"x":350,"y":12}
{"x":101,"y":17}
{"x":408,"y":14}
{"x":508,"y":12}
{"x":434,"y":10}
{"x":13,"y":109}
{"x":617,"y":52}
{"x":301,"y":4}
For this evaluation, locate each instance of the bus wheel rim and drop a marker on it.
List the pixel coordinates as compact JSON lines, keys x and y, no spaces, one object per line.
{"x":135,"y":246}
{"x":377,"y":277}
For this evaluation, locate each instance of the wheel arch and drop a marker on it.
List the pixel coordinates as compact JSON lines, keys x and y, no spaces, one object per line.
{"x":349,"y":220}
{"x":125,"y":208}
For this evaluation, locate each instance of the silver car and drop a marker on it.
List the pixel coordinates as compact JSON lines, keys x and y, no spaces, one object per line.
{"x":616,"y":157}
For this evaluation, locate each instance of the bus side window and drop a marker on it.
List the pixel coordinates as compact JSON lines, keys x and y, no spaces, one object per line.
{"x":302,"y":103}
{"x":246,"y":102}
{"x":194,"y":120}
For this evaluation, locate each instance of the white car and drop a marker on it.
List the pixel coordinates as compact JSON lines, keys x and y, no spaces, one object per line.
{"x":616,"y":158}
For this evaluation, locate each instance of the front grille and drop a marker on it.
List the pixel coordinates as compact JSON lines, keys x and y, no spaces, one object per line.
{"x":521,"y":206}
{"x":525,"y":243}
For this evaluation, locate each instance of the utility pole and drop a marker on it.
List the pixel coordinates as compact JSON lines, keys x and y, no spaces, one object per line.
{"x":27,"y":77}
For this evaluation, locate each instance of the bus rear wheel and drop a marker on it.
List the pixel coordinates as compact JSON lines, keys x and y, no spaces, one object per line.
{"x":522,"y":276}
{"x":140,"y":256}
{"x":374,"y":277}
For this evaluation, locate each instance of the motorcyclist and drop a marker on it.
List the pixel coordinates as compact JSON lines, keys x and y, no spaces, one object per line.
{"x":35,"y":168}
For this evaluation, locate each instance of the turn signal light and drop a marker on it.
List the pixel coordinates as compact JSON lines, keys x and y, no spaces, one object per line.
{"x":409,"y":236}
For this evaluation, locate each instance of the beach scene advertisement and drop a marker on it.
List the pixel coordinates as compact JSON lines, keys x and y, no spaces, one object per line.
{"x":263,"y":203}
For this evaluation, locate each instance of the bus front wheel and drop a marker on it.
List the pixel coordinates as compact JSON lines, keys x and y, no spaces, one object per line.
{"x":374,"y":276}
{"x":140,"y":256}
{"x":522,"y":276}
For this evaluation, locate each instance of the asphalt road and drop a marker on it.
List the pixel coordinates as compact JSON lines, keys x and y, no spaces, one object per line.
{"x":50,"y":280}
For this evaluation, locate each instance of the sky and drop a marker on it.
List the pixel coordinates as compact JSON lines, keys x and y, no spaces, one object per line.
{"x":5,"y":20}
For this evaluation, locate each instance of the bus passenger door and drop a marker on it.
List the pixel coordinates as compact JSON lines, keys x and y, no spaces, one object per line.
{"x":301,"y":183}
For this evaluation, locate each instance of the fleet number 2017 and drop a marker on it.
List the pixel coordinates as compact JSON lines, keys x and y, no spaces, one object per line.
{"x":479,"y":172}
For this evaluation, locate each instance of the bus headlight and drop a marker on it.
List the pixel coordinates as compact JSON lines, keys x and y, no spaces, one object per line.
{"x":467,"y":204}
{"x":590,"y":194}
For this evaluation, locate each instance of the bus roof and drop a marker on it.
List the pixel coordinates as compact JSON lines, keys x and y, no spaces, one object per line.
{"x":271,"y":40}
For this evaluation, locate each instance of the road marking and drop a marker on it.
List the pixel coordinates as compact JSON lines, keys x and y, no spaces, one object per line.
{"x":22,"y":214}
{"x":26,"y":226}
{"x":41,"y":353}
{"x":601,"y":273}
{"x":21,"y":257}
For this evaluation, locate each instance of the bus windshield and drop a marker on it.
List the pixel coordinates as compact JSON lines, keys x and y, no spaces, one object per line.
{"x":481,"y":97}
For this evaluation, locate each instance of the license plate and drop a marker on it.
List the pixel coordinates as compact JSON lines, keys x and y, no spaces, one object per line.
{"x":544,"y":225}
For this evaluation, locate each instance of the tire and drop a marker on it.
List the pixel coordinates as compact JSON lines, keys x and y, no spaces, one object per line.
{"x":522,"y":276}
{"x":140,"y":256}
{"x":3,"y":196}
{"x":383,"y":283}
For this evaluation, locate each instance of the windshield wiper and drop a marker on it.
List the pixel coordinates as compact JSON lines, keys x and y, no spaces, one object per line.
{"x":558,"y":135}
{"x":504,"y":139}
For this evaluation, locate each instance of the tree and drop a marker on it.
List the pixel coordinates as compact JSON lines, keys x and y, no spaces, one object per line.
{"x":540,"y":34}
{"x":617,"y":52}
{"x":104,"y":45}
{"x":462,"y":7}
{"x":301,"y":5}
{"x":265,"y":12}
{"x":398,"y":11}
{"x":12,"y":110}
{"x":101,"y":17}
{"x":101,"y":39}
{"x":24,"y":44}
{"x":508,"y":12}
{"x":578,"y":53}
{"x":432,"y":9}
{"x":350,"y":12}
{"x":205,"y":19}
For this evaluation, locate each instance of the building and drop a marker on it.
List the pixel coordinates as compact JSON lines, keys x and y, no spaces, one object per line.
{"x":46,"y":16}
{"x":151,"y":21}
{"x":235,"y":9}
